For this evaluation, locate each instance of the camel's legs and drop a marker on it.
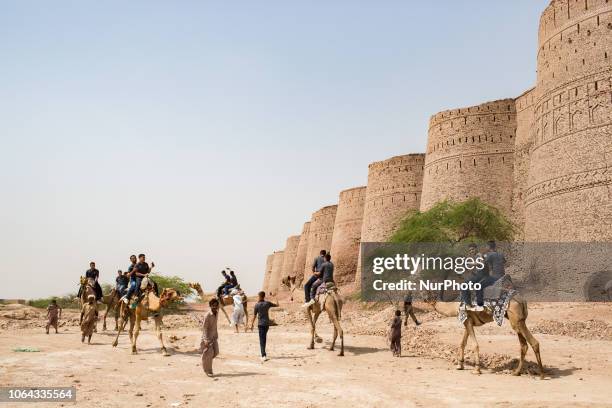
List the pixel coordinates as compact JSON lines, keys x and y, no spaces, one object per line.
{"x":466,"y":334}
{"x":116,"y":317}
{"x":535,"y":345}
{"x":246,"y":318}
{"x":122,"y":325}
{"x":224,"y":312}
{"x":524,"y":348}
{"x":338,"y":328}
{"x":109,"y":306}
{"x":470,"y":328}
{"x":158,"y":331}
{"x":312,"y":318}
{"x":312,"y":328}
{"x":334,"y":338}
{"x":136,"y":332}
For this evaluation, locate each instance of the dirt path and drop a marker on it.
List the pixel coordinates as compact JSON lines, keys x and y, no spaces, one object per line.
{"x":580,"y":371}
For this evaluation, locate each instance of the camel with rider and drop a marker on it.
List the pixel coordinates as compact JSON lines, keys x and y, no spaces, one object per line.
{"x":149,"y":305}
{"x":516,"y":314}
{"x":332,"y":304}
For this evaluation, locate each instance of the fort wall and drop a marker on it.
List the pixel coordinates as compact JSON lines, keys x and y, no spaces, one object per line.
{"x":300,"y":254}
{"x":288,"y":260}
{"x":275,"y":275}
{"x":347,"y":234}
{"x":267,"y":274}
{"x":320,"y":235}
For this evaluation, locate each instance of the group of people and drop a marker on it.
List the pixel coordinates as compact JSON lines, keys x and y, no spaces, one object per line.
{"x":129,"y":283}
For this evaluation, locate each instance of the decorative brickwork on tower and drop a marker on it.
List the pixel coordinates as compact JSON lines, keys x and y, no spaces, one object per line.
{"x":470,"y":154}
{"x":569,"y":189}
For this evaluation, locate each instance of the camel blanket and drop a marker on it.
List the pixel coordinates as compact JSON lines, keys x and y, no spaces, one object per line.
{"x":496,"y":300}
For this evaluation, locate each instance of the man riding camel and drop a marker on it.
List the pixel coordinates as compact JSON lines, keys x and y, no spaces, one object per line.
{"x":92,"y":275}
{"x":121,"y":282}
{"x":326,"y":275}
{"x":231,"y":282}
{"x":137,"y":273}
{"x":494,"y":269}
{"x":316,"y":273}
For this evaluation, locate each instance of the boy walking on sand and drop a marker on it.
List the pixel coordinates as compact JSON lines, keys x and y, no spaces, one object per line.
{"x":262,"y":308}
{"x":54,"y":312}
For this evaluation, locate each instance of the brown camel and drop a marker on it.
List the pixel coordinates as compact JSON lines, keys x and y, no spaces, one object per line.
{"x":149,"y":305}
{"x":222,"y":302}
{"x":111,"y":300}
{"x":291,"y":284}
{"x":517,"y":315}
{"x":333,"y":306}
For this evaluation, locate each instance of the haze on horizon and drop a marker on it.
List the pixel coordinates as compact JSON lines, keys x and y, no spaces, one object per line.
{"x":207,"y":133}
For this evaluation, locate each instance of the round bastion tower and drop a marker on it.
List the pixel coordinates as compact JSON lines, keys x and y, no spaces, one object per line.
{"x":300,"y":254}
{"x":470,"y":154}
{"x":394,"y":188}
{"x":320,"y":235}
{"x":569,"y":188}
{"x":277,"y":265}
{"x":347,"y":234}
{"x":288,"y":260}
{"x":268,"y":273}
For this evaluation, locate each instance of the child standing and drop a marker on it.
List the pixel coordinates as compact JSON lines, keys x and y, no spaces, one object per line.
{"x":395,"y":334}
{"x":54,"y":312}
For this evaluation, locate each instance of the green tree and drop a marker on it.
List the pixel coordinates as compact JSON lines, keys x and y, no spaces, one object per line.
{"x":173,"y":282}
{"x":453,"y":222}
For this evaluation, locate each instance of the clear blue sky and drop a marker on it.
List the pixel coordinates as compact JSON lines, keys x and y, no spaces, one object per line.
{"x":205,"y":133}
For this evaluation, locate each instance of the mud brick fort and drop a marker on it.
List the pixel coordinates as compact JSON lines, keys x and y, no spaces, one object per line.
{"x":544,"y":158}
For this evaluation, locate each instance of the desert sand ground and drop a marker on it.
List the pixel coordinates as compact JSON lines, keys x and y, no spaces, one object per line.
{"x":576,"y":342}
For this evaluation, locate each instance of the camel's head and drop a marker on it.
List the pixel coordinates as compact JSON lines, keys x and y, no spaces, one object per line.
{"x":288,"y":281}
{"x":82,"y":280}
{"x":195,"y":286}
{"x":169,"y":295}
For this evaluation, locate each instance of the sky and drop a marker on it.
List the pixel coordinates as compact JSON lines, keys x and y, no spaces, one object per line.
{"x":203,"y":133}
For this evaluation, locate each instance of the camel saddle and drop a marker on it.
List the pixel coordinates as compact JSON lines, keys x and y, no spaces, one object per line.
{"x":323,"y":291}
{"x":496,"y":300}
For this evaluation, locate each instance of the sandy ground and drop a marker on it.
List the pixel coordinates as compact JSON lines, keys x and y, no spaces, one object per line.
{"x":577,"y":354}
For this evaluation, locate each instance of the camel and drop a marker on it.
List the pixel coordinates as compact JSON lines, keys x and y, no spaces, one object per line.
{"x":150,"y":304}
{"x":517,"y":315}
{"x":291,"y":284}
{"x":333,"y":306}
{"x":111,"y":300}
